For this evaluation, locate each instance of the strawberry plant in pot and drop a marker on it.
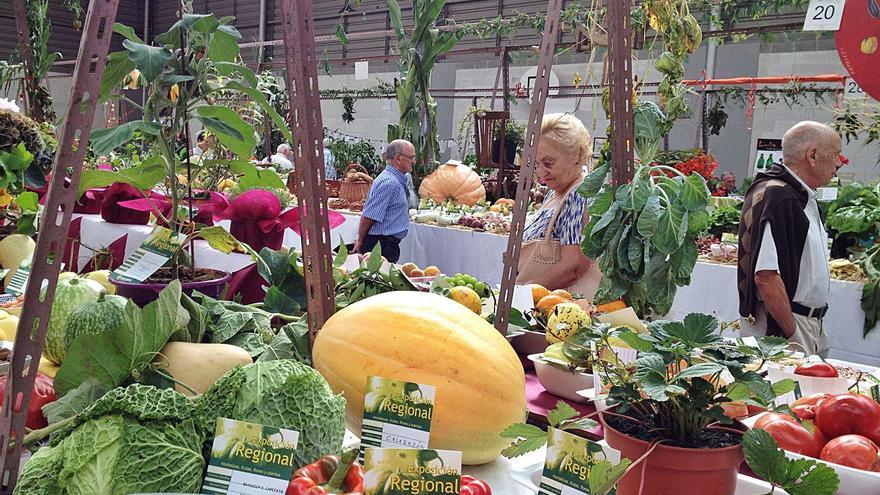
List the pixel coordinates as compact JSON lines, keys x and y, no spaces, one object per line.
{"x":665,"y":406}
{"x":184,"y":71}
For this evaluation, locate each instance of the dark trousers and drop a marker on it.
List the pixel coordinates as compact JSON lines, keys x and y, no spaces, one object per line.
{"x":390,"y":246}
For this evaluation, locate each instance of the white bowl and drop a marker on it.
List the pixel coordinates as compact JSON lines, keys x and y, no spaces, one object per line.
{"x":852,"y":481}
{"x":529,"y":342}
{"x":559,"y":381}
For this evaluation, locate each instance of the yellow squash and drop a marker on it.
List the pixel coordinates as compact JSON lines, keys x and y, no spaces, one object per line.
{"x":198,"y":366}
{"x":454,"y":181}
{"x":427,"y":338}
{"x":8,"y":326}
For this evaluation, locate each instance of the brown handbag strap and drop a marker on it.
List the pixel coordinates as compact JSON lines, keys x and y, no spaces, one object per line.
{"x":548,"y":234}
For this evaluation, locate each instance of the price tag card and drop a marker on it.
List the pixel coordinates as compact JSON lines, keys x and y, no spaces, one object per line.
{"x":409,"y":471}
{"x":156,"y":250}
{"x":577,"y":466}
{"x":396,"y":414}
{"x":18,"y":283}
{"x":250,"y":459}
{"x":824,"y":15}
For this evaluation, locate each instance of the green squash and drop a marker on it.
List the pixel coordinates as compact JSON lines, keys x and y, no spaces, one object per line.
{"x":92,"y":318}
{"x":70,"y":294}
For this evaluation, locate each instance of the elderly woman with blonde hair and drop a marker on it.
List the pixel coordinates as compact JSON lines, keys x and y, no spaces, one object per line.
{"x":551,"y":252}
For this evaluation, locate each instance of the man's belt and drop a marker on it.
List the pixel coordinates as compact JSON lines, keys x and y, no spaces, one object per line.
{"x":809,"y":312}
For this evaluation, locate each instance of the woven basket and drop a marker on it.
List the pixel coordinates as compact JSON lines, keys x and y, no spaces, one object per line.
{"x":354,"y":191}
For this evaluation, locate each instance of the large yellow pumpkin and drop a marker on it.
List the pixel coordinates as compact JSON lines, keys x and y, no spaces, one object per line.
{"x":454,"y":181}
{"x":426,"y":338}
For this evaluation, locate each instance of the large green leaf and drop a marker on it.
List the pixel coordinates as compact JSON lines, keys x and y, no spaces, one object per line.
{"x":698,"y":221}
{"x":231,"y":130}
{"x":126,"y":32}
{"x":396,"y":19}
{"x":230,"y":68}
{"x":144,"y":176}
{"x":118,"y":66}
{"x":219,"y":239}
{"x":649,"y":217}
{"x":258,"y":96}
{"x":223,"y":47}
{"x":694,"y":194}
{"x":594,"y":181}
{"x":252,"y":178}
{"x":150,"y":60}
{"x":651,"y":375}
{"x":123,"y":353}
{"x":17,"y":160}
{"x":108,"y":139}
{"x":671,"y":229}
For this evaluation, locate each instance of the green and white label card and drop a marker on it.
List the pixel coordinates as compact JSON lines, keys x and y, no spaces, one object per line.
{"x":250,"y":459}
{"x":396,"y":414}
{"x":18,"y":283}
{"x":409,"y":471}
{"x":577,"y":466}
{"x":156,"y":250}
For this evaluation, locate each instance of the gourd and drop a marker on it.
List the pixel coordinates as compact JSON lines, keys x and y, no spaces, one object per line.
{"x":70,"y":294}
{"x":198,"y":366}
{"x":92,"y":318}
{"x":103,"y":278}
{"x":448,"y":219}
{"x":427,"y":338}
{"x":454,"y":181}
{"x":13,"y":250}
{"x":8,"y":326}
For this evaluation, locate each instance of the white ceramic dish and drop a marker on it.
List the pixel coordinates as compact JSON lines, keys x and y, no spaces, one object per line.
{"x":852,"y":481}
{"x":529,"y":342}
{"x":559,"y":381}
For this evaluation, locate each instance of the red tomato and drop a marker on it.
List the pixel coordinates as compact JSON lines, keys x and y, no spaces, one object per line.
{"x":299,"y":486}
{"x":316,"y":490}
{"x":768,"y":418}
{"x":854,"y":451}
{"x":848,"y":413}
{"x":819,"y":369}
{"x":794,"y":437}
{"x":805,"y":407}
{"x":354,"y":478}
{"x":43,"y":393}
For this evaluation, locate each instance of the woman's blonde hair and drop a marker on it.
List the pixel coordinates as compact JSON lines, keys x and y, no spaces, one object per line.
{"x":568,"y":131}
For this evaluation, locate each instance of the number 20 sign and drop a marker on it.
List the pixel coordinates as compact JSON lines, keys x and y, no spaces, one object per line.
{"x":824,"y":15}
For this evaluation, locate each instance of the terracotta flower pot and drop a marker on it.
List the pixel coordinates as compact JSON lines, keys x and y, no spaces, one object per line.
{"x":675,"y":470}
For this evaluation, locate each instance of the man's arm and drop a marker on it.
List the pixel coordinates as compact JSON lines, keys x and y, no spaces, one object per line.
{"x":775,"y":298}
{"x":363,"y":230}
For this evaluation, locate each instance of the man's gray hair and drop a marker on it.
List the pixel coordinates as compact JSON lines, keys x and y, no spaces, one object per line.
{"x":327,"y":142}
{"x":797,"y":140}
{"x":396,"y":147}
{"x":282,"y":148}
{"x":726,"y":173}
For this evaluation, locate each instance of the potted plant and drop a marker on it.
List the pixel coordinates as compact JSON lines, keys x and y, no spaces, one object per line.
{"x":667,"y":404}
{"x":184,"y":72}
{"x":514,"y":138}
{"x":25,"y":159}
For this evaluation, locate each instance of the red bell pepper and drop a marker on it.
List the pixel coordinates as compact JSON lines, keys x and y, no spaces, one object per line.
{"x":329,"y":475}
{"x":474,"y":486}
{"x":819,"y":369}
{"x":43,"y":393}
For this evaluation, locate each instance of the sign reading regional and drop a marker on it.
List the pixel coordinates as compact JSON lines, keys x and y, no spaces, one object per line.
{"x":577,"y":466}
{"x":250,"y":459}
{"x":412,"y":471}
{"x":397,"y":414}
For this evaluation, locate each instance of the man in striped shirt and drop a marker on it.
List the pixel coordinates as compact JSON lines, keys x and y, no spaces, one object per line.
{"x":385,"y":219}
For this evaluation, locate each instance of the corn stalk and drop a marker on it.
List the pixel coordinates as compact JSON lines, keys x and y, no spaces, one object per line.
{"x":418,"y":54}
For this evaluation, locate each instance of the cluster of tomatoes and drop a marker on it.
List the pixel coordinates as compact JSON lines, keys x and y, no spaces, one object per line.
{"x":843,"y":429}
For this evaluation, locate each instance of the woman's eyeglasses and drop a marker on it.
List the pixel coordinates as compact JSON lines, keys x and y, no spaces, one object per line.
{"x":548,"y":164}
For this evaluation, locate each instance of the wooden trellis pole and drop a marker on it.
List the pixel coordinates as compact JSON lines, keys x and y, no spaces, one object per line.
{"x":527,"y":172}
{"x":305,"y":123}
{"x":47,"y":260}
{"x":621,"y":88}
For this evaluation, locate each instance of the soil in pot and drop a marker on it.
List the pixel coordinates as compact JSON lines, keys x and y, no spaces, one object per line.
{"x":671,"y":470}
{"x":186,"y":274}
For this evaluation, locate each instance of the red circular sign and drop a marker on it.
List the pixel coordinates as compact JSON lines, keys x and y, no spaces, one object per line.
{"x":858,"y":44}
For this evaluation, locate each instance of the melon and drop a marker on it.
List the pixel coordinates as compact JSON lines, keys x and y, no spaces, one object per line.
{"x":92,"y":318}
{"x":70,"y":294}
{"x":429,"y":339}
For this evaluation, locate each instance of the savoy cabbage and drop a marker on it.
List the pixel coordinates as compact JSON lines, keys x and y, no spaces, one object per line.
{"x":137,"y":439}
{"x":285,"y":394}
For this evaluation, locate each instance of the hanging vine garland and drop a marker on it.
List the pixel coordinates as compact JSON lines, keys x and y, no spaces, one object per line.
{"x":791,"y":95}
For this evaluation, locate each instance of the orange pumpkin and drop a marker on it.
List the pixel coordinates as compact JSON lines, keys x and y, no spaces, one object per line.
{"x":454,"y":181}
{"x":505,"y":201}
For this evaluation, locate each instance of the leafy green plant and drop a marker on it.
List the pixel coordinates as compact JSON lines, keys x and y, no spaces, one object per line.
{"x":856,"y":209}
{"x":797,"y":477}
{"x":675,"y":387}
{"x":643,"y":234}
{"x":418,"y":54}
{"x":185,"y":71}
{"x":355,"y":151}
{"x":723,"y":219}
{"x":516,"y":132}
{"x":40,"y":30}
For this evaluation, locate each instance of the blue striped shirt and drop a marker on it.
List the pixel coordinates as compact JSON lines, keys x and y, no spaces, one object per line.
{"x":569,"y":228}
{"x":387,"y":204}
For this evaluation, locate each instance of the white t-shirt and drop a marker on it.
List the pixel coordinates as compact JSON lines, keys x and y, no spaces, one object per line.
{"x":814,"y":280}
{"x":283,"y":163}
